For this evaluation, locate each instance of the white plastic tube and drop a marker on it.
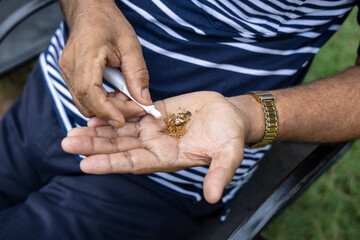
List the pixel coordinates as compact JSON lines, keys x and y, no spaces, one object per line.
{"x":116,"y":78}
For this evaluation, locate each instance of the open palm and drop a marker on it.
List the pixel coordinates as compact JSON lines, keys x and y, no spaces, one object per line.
{"x":215,"y":135}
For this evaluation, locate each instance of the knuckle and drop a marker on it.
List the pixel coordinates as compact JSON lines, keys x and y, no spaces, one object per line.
{"x":128,"y":37}
{"x":65,"y":56}
{"x":112,"y":163}
{"x":140,"y":75}
{"x":61,"y":61}
{"x":84,"y":111}
{"x":81,"y":48}
{"x":92,"y":145}
{"x":129,"y":158}
{"x":87,"y":113}
{"x":115,"y":143}
{"x":81,"y":91}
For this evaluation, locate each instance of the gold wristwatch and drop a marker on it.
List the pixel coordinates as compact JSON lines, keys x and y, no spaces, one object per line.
{"x":267,"y":101}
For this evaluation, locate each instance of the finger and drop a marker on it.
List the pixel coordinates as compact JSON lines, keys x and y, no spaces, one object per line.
{"x":128,"y":130}
{"x":222,"y":169}
{"x":134,"y":69}
{"x":137,"y":161}
{"x":110,"y":95}
{"x":97,"y":122}
{"x":85,"y":145}
{"x":67,"y":66}
{"x":104,"y":108}
{"x":121,"y":96}
{"x":118,"y":95}
{"x":133,"y":120}
{"x":83,"y":110}
{"x":129,"y":109}
{"x":105,"y":132}
{"x":90,"y":92}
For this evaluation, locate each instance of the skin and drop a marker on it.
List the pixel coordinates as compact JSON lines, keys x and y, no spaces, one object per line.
{"x":215,"y":136}
{"x":324,"y":111}
{"x":90,"y":47}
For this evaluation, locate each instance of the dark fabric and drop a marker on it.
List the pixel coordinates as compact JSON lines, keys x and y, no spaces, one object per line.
{"x":189,"y":76}
{"x":44,"y":195}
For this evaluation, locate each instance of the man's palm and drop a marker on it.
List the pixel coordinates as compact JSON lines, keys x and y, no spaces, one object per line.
{"x":215,"y":136}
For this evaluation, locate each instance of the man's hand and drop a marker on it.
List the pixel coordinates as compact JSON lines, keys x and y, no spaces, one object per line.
{"x":215,"y":135}
{"x":100,"y":35}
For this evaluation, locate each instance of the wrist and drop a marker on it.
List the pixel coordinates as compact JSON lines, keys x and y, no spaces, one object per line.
{"x":76,"y":10}
{"x":254,"y":116}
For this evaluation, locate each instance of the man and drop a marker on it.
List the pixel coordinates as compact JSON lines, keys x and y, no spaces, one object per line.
{"x":200,"y":56}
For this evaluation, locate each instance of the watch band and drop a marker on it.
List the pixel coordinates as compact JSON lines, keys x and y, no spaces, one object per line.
{"x":267,"y":101}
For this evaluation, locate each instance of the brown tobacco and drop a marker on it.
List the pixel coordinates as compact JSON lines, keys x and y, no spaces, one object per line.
{"x":175,"y":124}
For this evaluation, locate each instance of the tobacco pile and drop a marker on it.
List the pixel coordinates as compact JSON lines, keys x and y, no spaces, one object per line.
{"x":175,"y":124}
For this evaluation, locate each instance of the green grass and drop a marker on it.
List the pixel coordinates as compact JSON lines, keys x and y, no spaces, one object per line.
{"x":338,"y":53}
{"x":330,"y":208}
{"x":12,"y":83}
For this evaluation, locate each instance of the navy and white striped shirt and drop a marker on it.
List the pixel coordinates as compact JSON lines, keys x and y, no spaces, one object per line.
{"x":228,"y":46}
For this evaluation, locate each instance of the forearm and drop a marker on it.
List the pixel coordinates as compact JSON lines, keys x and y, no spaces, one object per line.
{"x":73,"y":9}
{"x":322,"y":111}
{"x":68,"y":8}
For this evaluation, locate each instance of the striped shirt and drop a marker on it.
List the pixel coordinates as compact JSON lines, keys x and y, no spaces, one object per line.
{"x":227,"y":46}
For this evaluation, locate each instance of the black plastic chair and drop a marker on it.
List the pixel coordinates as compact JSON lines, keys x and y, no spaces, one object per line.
{"x":284,"y":173}
{"x":24,"y":34}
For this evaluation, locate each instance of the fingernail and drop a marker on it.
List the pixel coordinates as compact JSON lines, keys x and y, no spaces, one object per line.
{"x":114,"y":123}
{"x":146,"y":94}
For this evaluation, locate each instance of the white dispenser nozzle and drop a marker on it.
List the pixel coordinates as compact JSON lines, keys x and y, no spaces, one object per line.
{"x":116,"y":78}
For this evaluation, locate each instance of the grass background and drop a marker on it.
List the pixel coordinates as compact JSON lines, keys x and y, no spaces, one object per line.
{"x":330,"y":208}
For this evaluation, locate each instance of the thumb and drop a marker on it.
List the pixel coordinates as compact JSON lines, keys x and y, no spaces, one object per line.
{"x":135,"y":71}
{"x":222,"y":169}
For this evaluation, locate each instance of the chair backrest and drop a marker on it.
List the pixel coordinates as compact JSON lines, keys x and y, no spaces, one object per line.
{"x":32,"y":32}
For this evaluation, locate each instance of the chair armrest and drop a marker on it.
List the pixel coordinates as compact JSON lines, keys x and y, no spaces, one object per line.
{"x":284,"y":173}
